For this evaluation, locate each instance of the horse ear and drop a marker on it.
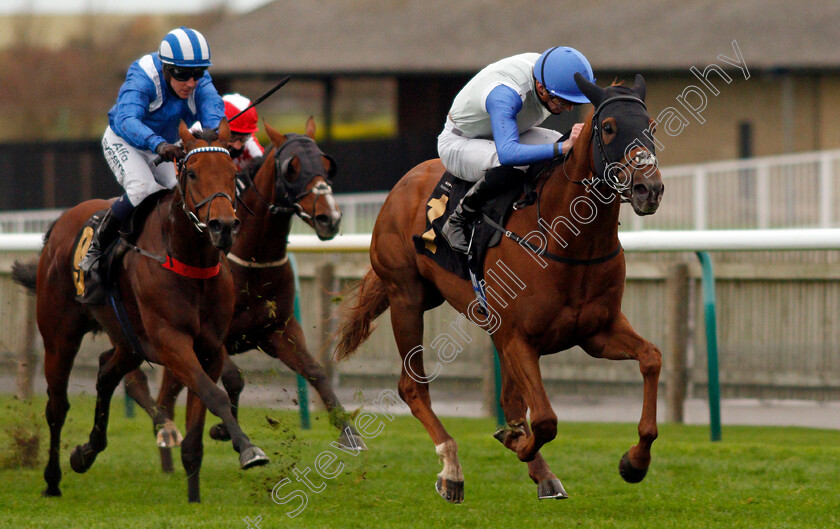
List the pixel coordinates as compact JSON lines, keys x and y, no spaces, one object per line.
{"x":224,"y":130}
{"x":184,"y":132}
{"x":310,"y":127}
{"x":593,"y":92}
{"x":275,"y":137}
{"x":640,"y":88}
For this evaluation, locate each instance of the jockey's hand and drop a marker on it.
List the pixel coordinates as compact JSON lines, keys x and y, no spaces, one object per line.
{"x":170,"y":152}
{"x":573,"y":135}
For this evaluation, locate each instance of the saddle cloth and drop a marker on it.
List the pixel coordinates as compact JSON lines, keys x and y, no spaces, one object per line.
{"x":92,"y":292}
{"x":442,"y":202}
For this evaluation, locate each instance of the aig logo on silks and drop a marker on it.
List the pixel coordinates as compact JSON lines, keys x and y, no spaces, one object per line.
{"x":81,"y":249}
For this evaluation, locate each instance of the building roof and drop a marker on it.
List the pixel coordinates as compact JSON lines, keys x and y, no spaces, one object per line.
{"x":322,"y":37}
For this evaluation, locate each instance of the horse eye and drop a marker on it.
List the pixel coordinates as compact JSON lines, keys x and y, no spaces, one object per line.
{"x":191,"y":174}
{"x":608,"y":128}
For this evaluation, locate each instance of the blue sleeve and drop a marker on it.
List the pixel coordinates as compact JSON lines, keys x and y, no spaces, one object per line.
{"x":131,"y":108}
{"x":503,"y":104}
{"x":210,"y":106}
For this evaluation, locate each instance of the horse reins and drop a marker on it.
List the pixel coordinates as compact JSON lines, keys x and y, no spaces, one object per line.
{"x":289,"y":204}
{"x":200,"y":226}
{"x":169,"y":262}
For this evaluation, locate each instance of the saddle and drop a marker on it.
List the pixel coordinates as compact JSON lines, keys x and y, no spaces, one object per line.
{"x":89,"y":291}
{"x":442,"y":202}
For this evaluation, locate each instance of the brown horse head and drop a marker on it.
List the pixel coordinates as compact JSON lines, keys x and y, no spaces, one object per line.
{"x":207,"y":173}
{"x":623,"y":151}
{"x":303,"y":180}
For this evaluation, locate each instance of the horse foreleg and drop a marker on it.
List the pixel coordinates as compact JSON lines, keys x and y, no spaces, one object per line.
{"x":233,"y":383}
{"x":521,"y":365}
{"x":289,"y":346}
{"x":548,"y":486}
{"x":623,"y":343}
{"x":113,"y":365}
{"x":187,"y":369}
{"x":137,"y":387}
{"x":192,"y":448}
{"x":407,"y":321}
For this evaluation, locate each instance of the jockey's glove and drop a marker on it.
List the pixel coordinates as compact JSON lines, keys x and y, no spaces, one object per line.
{"x":170,"y":152}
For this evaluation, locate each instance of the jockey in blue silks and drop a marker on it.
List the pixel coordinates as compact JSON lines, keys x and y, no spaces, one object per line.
{"x":159,"y":91}
{"x":491,"y":132}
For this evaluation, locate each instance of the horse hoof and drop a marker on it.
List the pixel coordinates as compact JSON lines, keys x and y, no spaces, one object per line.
{"x":219,"y":433}
{"x":630,"y":473}
{"x":169,"y":436}
{"x":551,"y":488}
{"x":81,"y":459}
{"x":451,"y":491}
{"x":252,"y":457}
{"x":349,"y":438}
{"x":507,"y":436}
{"x":51,"y":492}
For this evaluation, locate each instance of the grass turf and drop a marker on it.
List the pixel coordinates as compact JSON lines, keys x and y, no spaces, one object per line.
{"x":755,"y":478}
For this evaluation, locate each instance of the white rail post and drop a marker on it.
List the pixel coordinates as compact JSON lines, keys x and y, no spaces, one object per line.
{"x":699,"y":185}
{"x":762,"y":196}
{"x":826,"y":191}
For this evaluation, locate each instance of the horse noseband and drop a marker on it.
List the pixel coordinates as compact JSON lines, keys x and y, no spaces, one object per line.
{"x":309,"y":154}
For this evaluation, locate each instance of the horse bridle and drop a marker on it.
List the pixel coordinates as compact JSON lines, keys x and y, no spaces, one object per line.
{"x":287,"y":194}
{"x":609,"y":169}
{"x":182,"y":186}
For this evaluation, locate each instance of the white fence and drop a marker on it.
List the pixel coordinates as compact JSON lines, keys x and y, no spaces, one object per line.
{"x":792,"y":191}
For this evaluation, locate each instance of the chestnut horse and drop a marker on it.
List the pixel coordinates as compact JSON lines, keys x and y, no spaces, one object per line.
{"x":178,"y":321}
{"x":294,"y":179}
{"x":559,"y":286}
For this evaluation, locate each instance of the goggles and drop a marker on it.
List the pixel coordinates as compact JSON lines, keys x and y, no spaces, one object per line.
{"x":185,"y":74}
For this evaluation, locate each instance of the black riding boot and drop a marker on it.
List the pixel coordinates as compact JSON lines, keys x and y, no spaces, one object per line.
{"x":495,"y":181}
{"x":105,"y":234}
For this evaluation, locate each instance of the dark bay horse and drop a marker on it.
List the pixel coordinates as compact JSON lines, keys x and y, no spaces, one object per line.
{"x":294,"y":179}
{"x":178,"y":321}
{"x":560,"y":286}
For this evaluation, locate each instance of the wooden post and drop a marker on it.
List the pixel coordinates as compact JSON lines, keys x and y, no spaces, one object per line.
{"x":676,"y":341}
{"x":26,"y":355}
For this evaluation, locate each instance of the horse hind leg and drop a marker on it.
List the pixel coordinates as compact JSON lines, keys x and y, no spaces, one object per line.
{"x":113,"y":365}
{"x":289,"y":346}
{"x":170,"y":387}
{"x":548,"y":485}
{"x":166,"y":433}
{"x":58,"y":362}
{"x":407,"y":322}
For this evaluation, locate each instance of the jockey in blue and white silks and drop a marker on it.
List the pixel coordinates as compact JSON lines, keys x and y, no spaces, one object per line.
{"x":160,"y":90}
{"x":491,"y":132}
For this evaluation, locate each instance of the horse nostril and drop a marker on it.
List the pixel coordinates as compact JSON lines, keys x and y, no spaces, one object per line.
{"x":323,"y":220}
{"x":215,"y":226}
{"x":236,"y":226}
{"x":640,"y":190}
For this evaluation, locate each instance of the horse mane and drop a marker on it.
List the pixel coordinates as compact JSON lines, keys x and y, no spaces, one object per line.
{"x":253,"y":166}
{"x":208,"y":135}
{"x":49,"y":231}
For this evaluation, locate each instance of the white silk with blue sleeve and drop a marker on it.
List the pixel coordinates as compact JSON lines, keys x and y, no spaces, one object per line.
{"x":493,"y":121}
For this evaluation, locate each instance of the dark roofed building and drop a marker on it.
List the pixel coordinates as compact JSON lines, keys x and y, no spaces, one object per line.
{"x":766,"y":72}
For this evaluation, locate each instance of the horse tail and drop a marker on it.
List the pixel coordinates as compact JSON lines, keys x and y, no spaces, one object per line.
{"x":356,"y":326}
{"x":25,"y":274}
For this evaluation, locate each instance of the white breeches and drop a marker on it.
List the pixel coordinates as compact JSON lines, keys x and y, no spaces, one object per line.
{"x":470,"y":158}
{"x":135,"y":169}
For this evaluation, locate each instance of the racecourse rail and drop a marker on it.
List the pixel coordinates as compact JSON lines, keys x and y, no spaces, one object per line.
{"x":699,"y":242}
